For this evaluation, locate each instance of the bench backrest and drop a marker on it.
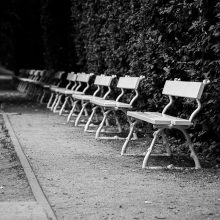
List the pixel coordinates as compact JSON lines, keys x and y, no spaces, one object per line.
{"x":71,"y":76}
{"x":58,"y":75}
{"x":83,"y":77}
{"x":83,"y":81}
{"x":103,"y":80}
{"x":41,"y":72}
{"x":31,"y":73}
{"x":36,"y":72}
{"x":128,"y":82}
{"x":183,"y":89}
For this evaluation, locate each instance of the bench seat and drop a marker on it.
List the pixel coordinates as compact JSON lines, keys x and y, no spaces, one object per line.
{"x":86,"y":97}
{"x":26,"y":79}
{"x":71,"y":92}
{"x":38,"y":83}
{"x":57,"y":89}
{"x":111,"y":103}
{"x":47,"y":86}
{"x":157,"y":118}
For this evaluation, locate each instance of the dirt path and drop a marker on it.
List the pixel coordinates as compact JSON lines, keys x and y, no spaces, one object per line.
{"x":87,"y":179}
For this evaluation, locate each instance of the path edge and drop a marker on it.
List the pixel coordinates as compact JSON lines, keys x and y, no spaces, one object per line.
{"x":32,"y":179}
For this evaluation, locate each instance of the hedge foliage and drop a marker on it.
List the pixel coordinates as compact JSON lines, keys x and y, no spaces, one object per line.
{"x":160,"y":39}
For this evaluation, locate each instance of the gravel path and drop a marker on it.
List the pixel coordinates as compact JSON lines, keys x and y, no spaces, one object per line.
{"x":14,"y":186}
{"x":87,"y":179}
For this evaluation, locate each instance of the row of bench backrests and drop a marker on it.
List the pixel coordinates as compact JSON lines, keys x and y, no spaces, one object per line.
{"x":172,"y":88}
{"x":101,"y":81}
{"x":123,"y":82}
{"x":80,"y":81}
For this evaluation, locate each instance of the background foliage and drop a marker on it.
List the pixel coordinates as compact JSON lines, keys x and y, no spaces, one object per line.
{"x":160,"y":39}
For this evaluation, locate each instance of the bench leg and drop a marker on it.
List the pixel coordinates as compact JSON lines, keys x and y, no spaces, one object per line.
{"x":102,"y":123}
{"x":39,"y":94}
{"x":106,"y":121}
{"x":57,"y":104}
{"x":132,"y":126}
{"x":54,"y":102}
{"x":63,"y":106}
{"x":24,"y":87}
{"x":117,"y":122}
{"x":21,"y":86}
{"x":50,"y":100}
{"x":165,"y":143}
{"x":42,"y":97}
{"x":192,"y":152}
{"x":90,"y":118}
{"x":72,"y":110}
{"x":86,"y":112}
{"x":149,"y":150}
{"x":81,"y":112}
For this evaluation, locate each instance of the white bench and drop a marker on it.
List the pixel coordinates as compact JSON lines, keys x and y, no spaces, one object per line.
{"x":61,"y":92}
{"x":162,"y":121}
{"x":83,"y":80}
{"x":56,"y":82}
{"x":24,"y":80}
{"x":103,"y":84}
{"x":107,"y":106}
{"x":43,"y":84}
{"x":35,"y":84}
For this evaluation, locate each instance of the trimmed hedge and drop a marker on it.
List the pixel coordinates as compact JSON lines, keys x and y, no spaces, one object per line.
{"x":161,"y":39}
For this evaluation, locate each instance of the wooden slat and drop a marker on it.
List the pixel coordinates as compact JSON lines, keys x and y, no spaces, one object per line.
{"x":158,"y":119}
{"x":183,"y":89}
{"x":174,"y":120}
{"x":106,"y":103}
{"x":128,"y":82}
{"x":146,"y":116}
{"x":83,"y":97}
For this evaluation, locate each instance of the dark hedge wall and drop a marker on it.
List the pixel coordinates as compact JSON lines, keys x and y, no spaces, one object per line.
{"x":159,"y":39}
